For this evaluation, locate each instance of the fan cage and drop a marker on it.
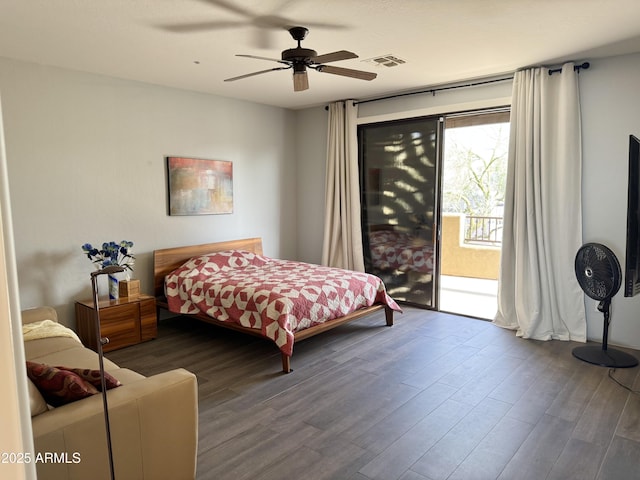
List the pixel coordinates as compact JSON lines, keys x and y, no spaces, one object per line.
{"x":598,"y":271}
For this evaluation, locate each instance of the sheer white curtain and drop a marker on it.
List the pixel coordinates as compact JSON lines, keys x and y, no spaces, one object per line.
{"x":538,"y":294}
{"x":342,"y":245}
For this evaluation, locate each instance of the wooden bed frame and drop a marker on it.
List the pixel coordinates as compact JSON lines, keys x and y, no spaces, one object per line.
{"x":168,"y":259}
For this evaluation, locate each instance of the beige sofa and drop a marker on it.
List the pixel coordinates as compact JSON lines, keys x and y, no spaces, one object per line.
{"x":153,"y":420}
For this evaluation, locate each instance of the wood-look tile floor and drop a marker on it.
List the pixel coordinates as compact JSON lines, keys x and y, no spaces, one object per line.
{"x":436,"y":396}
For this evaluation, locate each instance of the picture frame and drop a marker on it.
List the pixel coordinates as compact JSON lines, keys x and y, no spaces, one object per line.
{"x":199,"y":186}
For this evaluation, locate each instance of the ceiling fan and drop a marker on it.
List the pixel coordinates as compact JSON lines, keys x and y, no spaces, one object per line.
{"x":299,"y":59}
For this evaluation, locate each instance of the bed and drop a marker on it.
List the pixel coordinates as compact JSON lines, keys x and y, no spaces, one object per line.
{"x":194,"y":280}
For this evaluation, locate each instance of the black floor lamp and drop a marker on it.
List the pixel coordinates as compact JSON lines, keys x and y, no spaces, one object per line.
{"x":99,"y":342}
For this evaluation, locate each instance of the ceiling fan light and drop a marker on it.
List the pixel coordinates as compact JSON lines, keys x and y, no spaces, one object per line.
{"x":300,"y":81}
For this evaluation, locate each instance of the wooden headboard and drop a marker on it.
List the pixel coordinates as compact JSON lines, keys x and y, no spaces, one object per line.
{"x":167,"y":260}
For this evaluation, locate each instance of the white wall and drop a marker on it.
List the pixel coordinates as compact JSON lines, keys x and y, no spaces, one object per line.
{"x":311,"y":153}
{"x":610,"y":101}
{"x":86,"y":164}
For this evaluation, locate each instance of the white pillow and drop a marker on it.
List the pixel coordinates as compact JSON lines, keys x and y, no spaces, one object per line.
{"x":36,"y":400}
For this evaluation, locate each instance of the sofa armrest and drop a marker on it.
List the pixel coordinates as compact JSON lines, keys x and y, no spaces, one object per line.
{"x":39,"y":313}
{"x":154,"y":431}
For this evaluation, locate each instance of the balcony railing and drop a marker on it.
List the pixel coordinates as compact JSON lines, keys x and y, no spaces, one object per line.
{"x":483,"y":230}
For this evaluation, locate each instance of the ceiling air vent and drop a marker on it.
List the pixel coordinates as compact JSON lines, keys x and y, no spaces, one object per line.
{"x":385,"y":61}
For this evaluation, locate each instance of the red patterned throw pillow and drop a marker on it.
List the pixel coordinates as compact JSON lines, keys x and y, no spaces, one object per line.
{"x":58,"y":387}
{"x":62,"y":385}
{"x":93,"y":377}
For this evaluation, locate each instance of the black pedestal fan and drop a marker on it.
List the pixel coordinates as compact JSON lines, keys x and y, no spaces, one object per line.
{"x":599,"y":275}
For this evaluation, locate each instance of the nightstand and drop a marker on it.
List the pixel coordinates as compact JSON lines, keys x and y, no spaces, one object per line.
{"x":126,"y":321}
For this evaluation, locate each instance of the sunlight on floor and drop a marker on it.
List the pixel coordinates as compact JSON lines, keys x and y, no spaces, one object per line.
{"x":475,"y":297}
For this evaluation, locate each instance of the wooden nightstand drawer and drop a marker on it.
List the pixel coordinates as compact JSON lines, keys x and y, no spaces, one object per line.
{"x":127,"y":321}
{"x":121,"y":325}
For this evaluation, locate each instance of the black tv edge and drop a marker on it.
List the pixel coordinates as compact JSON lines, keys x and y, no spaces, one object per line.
{"x":632,"y":262}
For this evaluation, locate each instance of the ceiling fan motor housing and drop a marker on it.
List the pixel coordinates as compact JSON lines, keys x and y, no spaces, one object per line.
{"x":299,"y":55}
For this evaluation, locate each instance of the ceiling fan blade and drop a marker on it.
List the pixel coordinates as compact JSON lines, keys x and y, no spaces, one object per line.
{"x":233,"y":79}
{"x":300,"y":81}
{"x":262,"y":38}
{"x":229,"y":6}
{"x":328,"y":26}
{"x":264,"y":58}
{"x":200,"y":26}
{"x":273,"y":21}
{"x":347,"y":72}
{"x":334,"y":56}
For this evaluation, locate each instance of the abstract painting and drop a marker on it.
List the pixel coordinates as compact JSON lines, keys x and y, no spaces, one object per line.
{"x":199,"y":187}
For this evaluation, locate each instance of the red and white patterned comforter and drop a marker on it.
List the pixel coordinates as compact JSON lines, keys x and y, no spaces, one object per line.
{"x":278,"y":297}
{"x":400,"y":251}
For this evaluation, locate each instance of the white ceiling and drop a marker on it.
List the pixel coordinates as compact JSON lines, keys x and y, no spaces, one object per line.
{"x":441,"y":40}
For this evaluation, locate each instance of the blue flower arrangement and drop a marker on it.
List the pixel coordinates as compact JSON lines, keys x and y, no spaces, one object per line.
{"x":112,"y":253}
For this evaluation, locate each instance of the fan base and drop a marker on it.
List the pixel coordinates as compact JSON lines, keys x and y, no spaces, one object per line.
{"x":605,"y":358}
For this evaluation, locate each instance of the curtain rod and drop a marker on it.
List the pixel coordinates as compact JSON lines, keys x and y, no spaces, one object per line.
{"x":434,"y":90}
{"x":576,"y":68}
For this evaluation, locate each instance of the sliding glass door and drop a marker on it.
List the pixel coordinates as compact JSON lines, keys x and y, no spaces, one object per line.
{"x":400,"y":188}
{"x":432,"y":219}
